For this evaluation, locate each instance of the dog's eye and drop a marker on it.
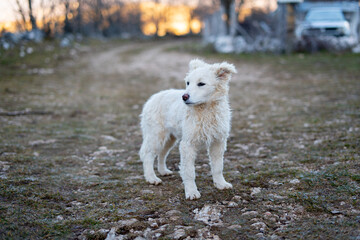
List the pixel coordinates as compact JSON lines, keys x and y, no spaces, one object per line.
{"x":187,"y":83}
{"x":201,"y":84}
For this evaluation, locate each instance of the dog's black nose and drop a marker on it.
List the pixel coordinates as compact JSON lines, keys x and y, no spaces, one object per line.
{"x":185,"y":96}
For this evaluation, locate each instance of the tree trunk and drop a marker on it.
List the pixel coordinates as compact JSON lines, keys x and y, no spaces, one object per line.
{"x":22,"y":14}
{"x":98,"y":16}
{"x":67,"y":25}
{"x":79,"y":18}
{"x":226,"y":5}
{"x":32,"y":18}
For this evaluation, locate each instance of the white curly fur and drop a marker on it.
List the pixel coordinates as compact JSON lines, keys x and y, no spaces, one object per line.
{"x":203,"y":118}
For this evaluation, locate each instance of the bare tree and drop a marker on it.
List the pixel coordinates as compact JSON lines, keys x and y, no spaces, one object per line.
{"x":31,"y":16}
{"x":21,"y":11}
{"x":226,"y":6}
{"x":67,"y":25}
{"x":48,"y":17}
{"x":79,"y":16}
{"x":98,"y":14}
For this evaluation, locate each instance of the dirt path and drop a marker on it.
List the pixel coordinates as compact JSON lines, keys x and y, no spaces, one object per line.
{"x":293,"y":153}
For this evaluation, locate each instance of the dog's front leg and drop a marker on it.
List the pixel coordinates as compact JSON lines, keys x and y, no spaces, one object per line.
{"x":187,"y":169}
{"x":216,"y":154}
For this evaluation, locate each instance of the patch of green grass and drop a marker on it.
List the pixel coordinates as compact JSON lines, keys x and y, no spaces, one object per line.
{"x":297,"y":62}
{"x":312,"y":203}
{"x":323,"y":190}
{"x":321,"y":228}
{"x":262,"y":178}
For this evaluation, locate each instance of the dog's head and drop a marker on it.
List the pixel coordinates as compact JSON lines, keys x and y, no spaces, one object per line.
{"x":207,"y":82}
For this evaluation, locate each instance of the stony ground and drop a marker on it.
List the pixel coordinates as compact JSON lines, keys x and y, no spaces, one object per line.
{"x":70,"y":134}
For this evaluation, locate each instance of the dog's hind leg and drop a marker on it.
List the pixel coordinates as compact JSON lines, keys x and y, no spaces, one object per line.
{"x":163,"y":170}
{"x":216,"y":155}
{"x":147,"y":156}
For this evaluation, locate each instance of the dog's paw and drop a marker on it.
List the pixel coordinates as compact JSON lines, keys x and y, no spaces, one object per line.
{"x":192,"y":195}
{"x":165,"y":172}
{"x":223,"y":185}
{"x":154,"y":180}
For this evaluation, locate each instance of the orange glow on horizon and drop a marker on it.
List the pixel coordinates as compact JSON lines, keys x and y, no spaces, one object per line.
{"x":156,"y":18}
{"x":159,"y":19}
{"x":195,"y":26}
{"x":248,"y":7}
{"x":8,"y":26}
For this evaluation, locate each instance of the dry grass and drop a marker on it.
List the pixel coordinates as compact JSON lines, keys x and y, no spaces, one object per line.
{"x":295,"y":137}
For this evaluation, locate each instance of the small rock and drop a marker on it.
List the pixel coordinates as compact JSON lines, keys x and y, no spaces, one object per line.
{"x":255,"y":191}
{"x":103,"y":150}
{"x":163,"y":220}
{"x":75,"y":203}
{"x":85,"y":234}
{"x":40,"y":142}
{"x":294,"y":181}
{"x":232,"y":204}
{"x":139,"y":238}
{"x":234,"y":227}
{"x":179,"y":233}
{"x":267,"y":214}
{"x":275,"y":182}
{"x":299,"y":209}
{"x":299,"y":145}
{"x":242,"y":146}
{"x":250,"y":213}
{"x":236,"y":198}
{"x":109,"y":138}
{"x":274,"y":237}
{"x":355,"y":211}
{"x":112,"y":235}
{"x":127,"y":222}
{"x":147,"y":233}
{"x":204,"y":233}
{"x":259,"y":163}
{"x":259,"y":235}
{"x":153,"y":223}
{"x":258,"y":225}
{"x":174,"y":218}
{"x":276,"y":196}
{"x":335,"y":211}
{"x":59,"y":218}
{"x":147,"y":191}
{"x":103,"y":231}
{"x":5,"y":167}
{"x":209,"y":214}
{"x":173,"y":212}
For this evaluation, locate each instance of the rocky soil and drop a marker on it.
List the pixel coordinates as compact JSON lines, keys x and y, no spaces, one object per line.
{"x":69,"y":167}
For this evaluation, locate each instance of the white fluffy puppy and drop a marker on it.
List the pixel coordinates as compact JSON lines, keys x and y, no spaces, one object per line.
{"x":198,"y":115}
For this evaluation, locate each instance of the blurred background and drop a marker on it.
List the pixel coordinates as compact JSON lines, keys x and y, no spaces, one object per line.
{"x":227,"y":25}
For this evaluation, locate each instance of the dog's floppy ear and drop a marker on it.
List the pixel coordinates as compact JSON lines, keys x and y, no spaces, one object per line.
{"x":224,"y":70}
{"x":196,"y":63}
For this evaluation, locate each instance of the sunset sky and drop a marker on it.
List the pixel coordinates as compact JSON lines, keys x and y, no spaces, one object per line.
{"x":179,"y":20}
{"x":6,"y":11}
